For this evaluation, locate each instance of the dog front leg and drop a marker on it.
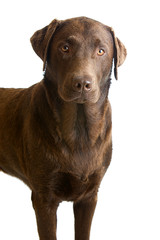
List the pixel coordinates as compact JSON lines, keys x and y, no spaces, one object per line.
{"x":83,"y":212}
{"x":46,"y":216}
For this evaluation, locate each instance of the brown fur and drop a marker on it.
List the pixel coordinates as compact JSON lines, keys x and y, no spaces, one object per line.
{"x":56,"y":135}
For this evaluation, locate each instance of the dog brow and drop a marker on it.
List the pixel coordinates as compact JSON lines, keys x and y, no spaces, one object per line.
{"x":97,"y":42}
{"x":72,"y":39}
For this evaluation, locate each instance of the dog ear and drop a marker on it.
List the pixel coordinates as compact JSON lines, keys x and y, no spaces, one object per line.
{"x":120,"y":53}
{"x":41,"y":39}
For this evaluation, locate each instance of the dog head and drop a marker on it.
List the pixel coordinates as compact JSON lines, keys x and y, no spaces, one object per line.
{"x":78,"y":54}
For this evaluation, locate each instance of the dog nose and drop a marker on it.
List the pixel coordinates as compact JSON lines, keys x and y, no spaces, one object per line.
{"x":81,"y":84}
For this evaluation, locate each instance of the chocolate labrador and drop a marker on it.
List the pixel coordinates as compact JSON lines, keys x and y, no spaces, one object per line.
{"x":56,"y":135}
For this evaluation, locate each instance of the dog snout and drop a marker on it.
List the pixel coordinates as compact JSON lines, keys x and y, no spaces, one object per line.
{"x":82,"y":84}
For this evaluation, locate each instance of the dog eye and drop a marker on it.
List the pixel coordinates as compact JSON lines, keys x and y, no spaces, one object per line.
{"x":100,"y":52}
{"x":65,"y":48}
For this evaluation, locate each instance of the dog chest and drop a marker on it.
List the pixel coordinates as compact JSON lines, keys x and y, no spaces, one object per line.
{"x":73,"y":176}
{"x":69,"y":187}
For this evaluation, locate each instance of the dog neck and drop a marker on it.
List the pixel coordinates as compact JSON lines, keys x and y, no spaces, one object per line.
{"x":79,"y":124}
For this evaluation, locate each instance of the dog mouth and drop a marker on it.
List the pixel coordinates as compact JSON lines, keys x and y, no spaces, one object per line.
{"x":74,"y":98}
{"x":79,"y":98}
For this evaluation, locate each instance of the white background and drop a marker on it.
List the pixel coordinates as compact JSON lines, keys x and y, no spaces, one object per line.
{"x":129,"y":196}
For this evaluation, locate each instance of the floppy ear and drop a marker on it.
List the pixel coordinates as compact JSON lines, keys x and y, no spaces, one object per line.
{"x":120,"y":53}
{"x":41,"y":39}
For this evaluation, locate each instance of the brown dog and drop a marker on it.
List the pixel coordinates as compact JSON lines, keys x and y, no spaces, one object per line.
{"x":56,"y":135}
